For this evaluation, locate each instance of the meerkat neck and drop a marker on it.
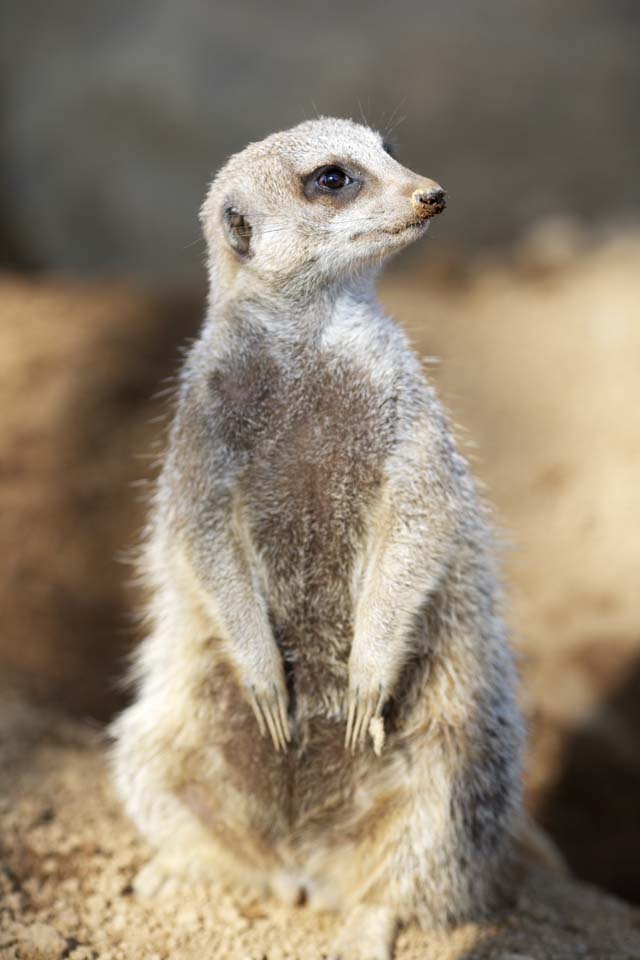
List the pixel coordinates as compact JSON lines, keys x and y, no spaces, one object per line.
{"x":292,"y":317}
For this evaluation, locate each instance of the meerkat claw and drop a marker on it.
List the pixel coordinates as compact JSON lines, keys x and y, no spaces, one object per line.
{"x":283,"y":717}
{"x":356,"y":726}
{"x":255,"y":706}
{"x":280,"y":721}
{"x":351,"y":718}
{"x":364,"y":727}
{"x":271,"y":716}
{"x":362,"y":710}
{"x":273,"y":727}
{"x":355,"y":735}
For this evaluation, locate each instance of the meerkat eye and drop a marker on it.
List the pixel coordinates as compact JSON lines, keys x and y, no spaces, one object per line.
{"x":331,"y":183}
{"x":333,"y":178}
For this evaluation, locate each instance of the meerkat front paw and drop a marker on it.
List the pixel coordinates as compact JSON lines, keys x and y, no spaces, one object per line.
{"x":269,"y":705}
{"x":267,"y":695}
{"x":364,"y":716}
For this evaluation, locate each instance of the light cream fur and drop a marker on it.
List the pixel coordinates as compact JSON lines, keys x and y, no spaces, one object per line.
{"x":320,"y":571}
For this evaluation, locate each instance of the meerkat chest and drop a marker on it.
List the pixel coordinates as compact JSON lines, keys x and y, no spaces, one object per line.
{"x":314,"y":477}
{"x":310,"y":433}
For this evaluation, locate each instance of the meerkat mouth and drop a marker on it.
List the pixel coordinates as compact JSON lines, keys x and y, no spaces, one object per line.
{"x":416,"y":226}
{"x":412,"y":225}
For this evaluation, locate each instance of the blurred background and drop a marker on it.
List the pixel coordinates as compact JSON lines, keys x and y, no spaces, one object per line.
{"x":114,"y":117}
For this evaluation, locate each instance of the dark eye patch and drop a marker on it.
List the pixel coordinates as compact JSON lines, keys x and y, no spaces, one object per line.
{"x":333,"y":182}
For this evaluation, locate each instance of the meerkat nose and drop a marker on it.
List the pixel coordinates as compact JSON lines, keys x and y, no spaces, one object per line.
{"x":429,"y":200}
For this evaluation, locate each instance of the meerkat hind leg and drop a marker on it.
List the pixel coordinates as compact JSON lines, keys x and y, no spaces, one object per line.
{"x":368,"y":933}
{"x":157,"y":878}
{"x":166,"y":872}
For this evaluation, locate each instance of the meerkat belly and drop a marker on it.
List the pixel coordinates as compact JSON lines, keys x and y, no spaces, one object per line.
{"x":311,"y":451}
{"x":309,"y":494}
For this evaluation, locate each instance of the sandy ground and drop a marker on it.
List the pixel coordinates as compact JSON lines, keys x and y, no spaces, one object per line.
{"x":69,"y":858}
{"x":539,"y":362}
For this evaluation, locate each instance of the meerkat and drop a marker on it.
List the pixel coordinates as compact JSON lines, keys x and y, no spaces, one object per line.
{"x":326,"y":699}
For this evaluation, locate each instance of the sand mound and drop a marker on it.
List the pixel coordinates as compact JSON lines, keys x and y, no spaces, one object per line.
{"x":69,"y":857}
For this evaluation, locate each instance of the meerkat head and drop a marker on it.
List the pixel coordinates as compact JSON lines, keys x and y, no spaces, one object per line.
{"x":312,"y":206}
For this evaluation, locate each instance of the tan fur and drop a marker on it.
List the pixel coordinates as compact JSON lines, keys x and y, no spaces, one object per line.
{"x":320,"y":570}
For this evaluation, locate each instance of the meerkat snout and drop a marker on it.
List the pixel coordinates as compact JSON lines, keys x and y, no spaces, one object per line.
{"x":428,"y":200}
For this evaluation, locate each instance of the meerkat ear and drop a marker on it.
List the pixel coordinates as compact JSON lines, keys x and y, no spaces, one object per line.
{"x":237,"y":230}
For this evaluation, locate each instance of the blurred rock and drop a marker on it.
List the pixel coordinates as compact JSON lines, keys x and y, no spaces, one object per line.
{"x":550,"y":245}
